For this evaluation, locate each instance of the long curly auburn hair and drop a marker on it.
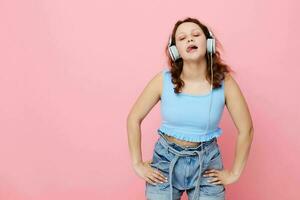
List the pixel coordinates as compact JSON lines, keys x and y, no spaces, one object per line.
{"x":219,"y":67}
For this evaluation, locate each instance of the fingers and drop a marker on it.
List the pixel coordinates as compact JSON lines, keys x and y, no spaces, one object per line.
{"x":150,"y":181}
{"x":210,"y":172}
{"x":155,"y":177}
{"x":212,"y":180}
{"x":213,"y":173}
{"x":215,"y":181}
{"x":159,"y":175}
{"x":156,"y":172}
{"x":149,"y":162}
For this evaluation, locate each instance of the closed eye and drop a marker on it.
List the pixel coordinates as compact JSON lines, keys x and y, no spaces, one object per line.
{"x":194,"y":35}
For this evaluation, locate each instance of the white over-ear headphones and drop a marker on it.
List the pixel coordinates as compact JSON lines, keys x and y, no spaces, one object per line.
{"x":210,"y":47}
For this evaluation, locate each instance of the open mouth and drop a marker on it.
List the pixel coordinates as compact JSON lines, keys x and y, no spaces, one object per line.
{"x":191,"y":48}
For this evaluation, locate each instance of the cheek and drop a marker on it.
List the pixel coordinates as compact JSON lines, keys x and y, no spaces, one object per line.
{"x":202,"y":46}
{"x":180,"y":48}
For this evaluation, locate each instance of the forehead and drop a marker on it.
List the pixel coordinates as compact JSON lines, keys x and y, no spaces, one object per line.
{"x":187,"y":27}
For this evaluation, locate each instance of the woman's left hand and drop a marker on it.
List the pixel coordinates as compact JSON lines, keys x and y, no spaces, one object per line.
{"x":224,"y":176}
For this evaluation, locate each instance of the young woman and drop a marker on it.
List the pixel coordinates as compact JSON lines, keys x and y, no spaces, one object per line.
{"x":193,"y":94}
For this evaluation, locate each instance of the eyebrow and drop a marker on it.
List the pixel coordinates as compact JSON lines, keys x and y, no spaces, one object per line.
{"x":192,"y":30}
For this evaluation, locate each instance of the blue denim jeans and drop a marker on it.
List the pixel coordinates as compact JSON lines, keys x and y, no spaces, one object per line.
{"x":184,"y":167}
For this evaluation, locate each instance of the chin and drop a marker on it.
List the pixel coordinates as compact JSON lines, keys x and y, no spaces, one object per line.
{"x":193,"y":58}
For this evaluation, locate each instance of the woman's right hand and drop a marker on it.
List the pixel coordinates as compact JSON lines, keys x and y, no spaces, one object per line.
{"x":148,"y":173}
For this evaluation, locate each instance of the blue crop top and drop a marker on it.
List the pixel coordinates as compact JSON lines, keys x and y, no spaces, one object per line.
{"x":185,"y":116}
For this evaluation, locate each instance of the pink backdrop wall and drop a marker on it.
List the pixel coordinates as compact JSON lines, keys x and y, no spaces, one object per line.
{"x":71,"y":70}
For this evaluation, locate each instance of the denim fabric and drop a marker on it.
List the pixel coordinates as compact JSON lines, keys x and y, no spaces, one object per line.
{"x":184,"y":167}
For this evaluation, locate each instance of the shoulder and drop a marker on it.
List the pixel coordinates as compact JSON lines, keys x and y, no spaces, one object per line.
{"x":231,"y":86}
{"x":156,"y":81}
{"x":228,"y":77}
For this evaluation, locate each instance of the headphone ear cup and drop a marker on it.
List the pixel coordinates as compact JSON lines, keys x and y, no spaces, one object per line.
{"x":173,"y":51}
{"x":211,"y":45}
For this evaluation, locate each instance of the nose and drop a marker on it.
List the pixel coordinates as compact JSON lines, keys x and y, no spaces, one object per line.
{"x":191,"y":39}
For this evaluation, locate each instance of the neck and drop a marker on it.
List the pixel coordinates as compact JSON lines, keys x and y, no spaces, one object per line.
{"x":194,"y":70}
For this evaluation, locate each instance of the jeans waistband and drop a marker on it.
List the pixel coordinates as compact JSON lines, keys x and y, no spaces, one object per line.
{"x":177,"y":147}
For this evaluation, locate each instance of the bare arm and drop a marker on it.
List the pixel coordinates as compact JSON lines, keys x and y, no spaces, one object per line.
{"x":238,"y":109}
{"x":145,"y":102}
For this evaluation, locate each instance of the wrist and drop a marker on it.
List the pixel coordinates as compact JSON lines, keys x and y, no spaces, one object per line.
{"x":235,"y":174}
{"x":137,"y":163}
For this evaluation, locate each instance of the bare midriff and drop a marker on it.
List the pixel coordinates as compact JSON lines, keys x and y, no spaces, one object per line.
{"x":182,"y":143}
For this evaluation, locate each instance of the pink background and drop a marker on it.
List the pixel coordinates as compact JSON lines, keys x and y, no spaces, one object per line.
{"x":71,"y":70}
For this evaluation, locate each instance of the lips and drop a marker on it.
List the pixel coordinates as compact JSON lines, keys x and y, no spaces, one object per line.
{"x":191,"y":47}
